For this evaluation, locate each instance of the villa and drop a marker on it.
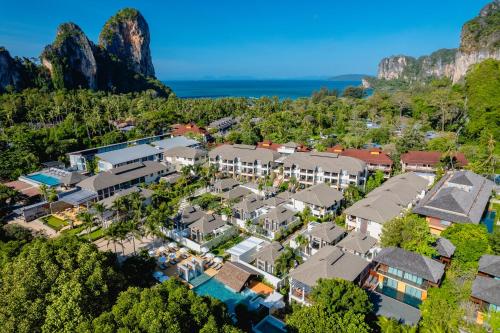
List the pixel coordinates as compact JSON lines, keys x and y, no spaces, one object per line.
{"x":224,"y":185}
{"x":359,"y":244}
{"x":190,"y":128}
{"x":425,"y":163}
{"x":445,"y":250}
{"x":176,"y":141}
{"x":486,"y":287}
{"x":284,"y":149}
{"x":222,"y":125}
{"x":265,"y":258}
{"x":246,"y":161}
{"x":278,"y":219}
{"x":208,"y":226}
{"x":133,"y":154}
{"x":374,"y":158}
{"x":185,"y":156}
{"x":320,"y":235}
{"x":248,"y":209}
{"x":107,"y":183}
{"x":328,"y":263}
{"x":313,"y":168}
{"x":405,"y":276}
{"x":459,"y":197}
{"x":320,"y":198}
{"x":390,"y":200}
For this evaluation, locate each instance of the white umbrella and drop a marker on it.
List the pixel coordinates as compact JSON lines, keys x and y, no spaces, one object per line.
{"x":183,"y":250}
{"x":210,"y":256}
{"x":172,"y":244}
{"x":204,"y":250}
{"x":161,"y":249}
{"x":151,"y":253}
{"x":218,"y":260}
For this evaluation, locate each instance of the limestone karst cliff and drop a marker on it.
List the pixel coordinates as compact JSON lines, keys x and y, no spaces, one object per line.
{"x":480,"y":40}
{"x":126,"y":35}
{"x":10,"y":71}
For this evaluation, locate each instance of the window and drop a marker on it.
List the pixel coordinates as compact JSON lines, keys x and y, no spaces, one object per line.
{"x":409,"y":290}
{"x":395,"y":271}
{"x":494,"y":307}
{"x":391,"y":283}
{"x":413,"y":278}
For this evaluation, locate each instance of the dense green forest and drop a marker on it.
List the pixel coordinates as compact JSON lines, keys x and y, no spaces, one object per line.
{"x":40,"y":125}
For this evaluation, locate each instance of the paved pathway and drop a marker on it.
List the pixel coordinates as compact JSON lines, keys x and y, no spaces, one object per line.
{"x":36,"y":226}
{"x":128,"y":246}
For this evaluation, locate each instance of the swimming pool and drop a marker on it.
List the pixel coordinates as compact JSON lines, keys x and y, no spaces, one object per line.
{"x":216,"y":289}
{"x":270,"y":325}
{"x":44,"y":179}
{"x":489,"y":220}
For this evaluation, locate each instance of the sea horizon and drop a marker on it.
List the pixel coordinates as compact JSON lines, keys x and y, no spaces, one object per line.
{"x":253,"y":88}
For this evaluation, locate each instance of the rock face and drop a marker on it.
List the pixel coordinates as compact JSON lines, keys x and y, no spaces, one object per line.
{"x":70,"y":59}
{"x":126,"y":35}
{"x":480,"y":40}
{"x":10,"y":71}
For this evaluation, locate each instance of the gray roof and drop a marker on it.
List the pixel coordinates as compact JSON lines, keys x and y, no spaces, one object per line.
{"x":143,"y":192}
{"x":250,"y":203}
{"x":270,"y":252}
{"x":490,"y":264}
{"x":329,"y":162}
{"x":245,"y":153}
{"x":392,"y":308}
{"x":486,"y":289}
{"x":452,"y":199}
{"x":320,"y":195}
{"x":77,"y":197}
{"x":208,"y":223}
{"x":286,"y":195}
{"x":358,"y":242}
{"x":444,"y":247}
{"x":235,"y":193}
{"x":225,"y":184}
{"x":328,"y":263}
{"x":72,"y":178}
{"x":121,"y":175}
{"x":128,"y":154}
{"x":274,"y":201}
{"x":390,"y":199}
{"x":222,"y":123}
{"x":185,"y":152}
{"x":177,"y":141}
{"x":327,"y":231}
{"x":190,"y":214}
{"x":411,"y":262}
{"x":279,"y":214}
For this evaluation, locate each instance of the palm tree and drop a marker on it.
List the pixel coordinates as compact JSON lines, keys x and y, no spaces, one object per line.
{"x":100,"y":209}
{"x":44,"y":189}
{"x":119,"y":206}
{"x":87,"y":220}
{"x":302,"y":241}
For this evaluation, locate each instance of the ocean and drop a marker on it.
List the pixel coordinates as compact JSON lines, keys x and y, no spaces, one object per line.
{"x":292,"y":89}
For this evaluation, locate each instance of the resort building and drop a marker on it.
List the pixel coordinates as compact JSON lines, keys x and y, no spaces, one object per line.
{"x":314,"y":168}
{"x":404,"y":275}
{"x":224,"y":185}
{"x":174,"y":142}
{"x":392,"y":199}
{"x":458,"y":197}
{"x":185,"y":156}
{"x":207,"y":227}
{"x":277,"y":220}
{"x":321,"y":199}
{"x":236,"y":276}
{"x":284,"y":149}
{"x":108,"y":203}
{"x":320,"y":235}
{"x":243,"y":161}
{"x":266,"y":257}
{"x":445,"y":250}
{"x":222,"y":125}
{"x":359,"y":244}
{"x":427,"y":162}
{"x":78,"y":159}
{"x":328,"y":263}
{"x":248,"y":209}
{"x":192,"y":129}
{"x":133,"y":154}
{"x":374,"y":158}
{"x":107,"y":183}
{"x":486,"y":287}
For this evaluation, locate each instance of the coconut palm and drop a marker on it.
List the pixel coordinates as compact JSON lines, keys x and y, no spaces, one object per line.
{"x":100,"y":209}
{"x":302,"y":241}
{"x":87,"y":220}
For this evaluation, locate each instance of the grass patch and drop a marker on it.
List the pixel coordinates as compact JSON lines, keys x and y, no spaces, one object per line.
{"x":221,"y":249}
{"x":54,"y":222}
{"x":74,"y":231}
{"x":95,"y":235}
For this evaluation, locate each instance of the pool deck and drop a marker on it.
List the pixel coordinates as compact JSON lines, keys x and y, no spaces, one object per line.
{"x":260,"y":288}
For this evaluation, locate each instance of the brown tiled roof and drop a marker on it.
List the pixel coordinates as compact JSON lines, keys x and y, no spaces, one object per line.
{"x":335,"y":149}
{"x":235,"y":275}
{"x":181,"y":129}
{"x":24,"y":188}
{"x":430,"y":157}
{"x":268,"y":144}
{"x":373,"y":156}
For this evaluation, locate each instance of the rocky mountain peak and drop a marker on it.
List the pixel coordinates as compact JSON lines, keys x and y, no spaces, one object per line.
{"x":10,"y":71}
{"x":70,"y":58}
{"x":126,"y":36}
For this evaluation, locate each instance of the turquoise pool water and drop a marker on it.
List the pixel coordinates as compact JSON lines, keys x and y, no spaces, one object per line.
{"x":270,"y":325}
{"x":402,"y":297}
{"x":214,"y":288}
{"x":489,"y":220}
{"x":44,"y":179}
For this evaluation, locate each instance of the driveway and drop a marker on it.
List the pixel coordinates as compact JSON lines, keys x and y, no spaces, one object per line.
{"x":36,"y":226}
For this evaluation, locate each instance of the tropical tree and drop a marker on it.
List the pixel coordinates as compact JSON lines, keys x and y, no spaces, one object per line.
{"x":87,"y":220}
{"x":100,"y":209}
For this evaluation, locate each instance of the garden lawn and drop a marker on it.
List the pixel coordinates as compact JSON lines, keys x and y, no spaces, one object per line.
{"x":95,"y":235}
{"x":54,"y":222}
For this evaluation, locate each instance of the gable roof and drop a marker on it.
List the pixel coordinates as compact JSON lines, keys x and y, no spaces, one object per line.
{"x":279,"y":214}
{"x":270,"y":252}
{"x":181,"y":129}
{"x":326,"y":161}
{"x":444,"y":247}
{"x":358,"y":242}
{"x":327,"y":231}
{"x":235,"y":193}
{"x":72,"y":178}
{"x":245,"y":153}
{"x":235,"y":275}
{"x":176,"y":141}
{"x":486,"y":289}
{"x":186,"y":152}
{"x":225,"y":184}
{"x":207,"y":223}
{"x":490,"y":264}
{"x":411,"y":262}
{"x":372,"y":156}
{"x":430,"y":157}
{"x":250,"y":203}
{"x":328,"y":263}
{"x":128,"y":154}
{"x":274,"y":201}
{"x":451,"y":199}
{"x":320,"y":195}
{"x":190,"y":214}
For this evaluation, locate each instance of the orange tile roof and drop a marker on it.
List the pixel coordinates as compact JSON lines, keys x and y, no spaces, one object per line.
{"x":268,"y":144}
{"x":181,"y":129}
{"x":430,"y":157}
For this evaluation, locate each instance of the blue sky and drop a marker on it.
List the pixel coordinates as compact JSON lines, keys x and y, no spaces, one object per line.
{"x":256,"y":38}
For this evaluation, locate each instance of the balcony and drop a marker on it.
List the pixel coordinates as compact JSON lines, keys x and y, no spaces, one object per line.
{"x":402,"y":297}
